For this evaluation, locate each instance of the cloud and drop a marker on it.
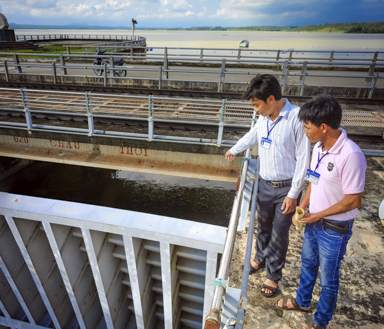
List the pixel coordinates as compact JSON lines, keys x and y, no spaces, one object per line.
{"x":182,"y":4}
{"x":187,"y":13}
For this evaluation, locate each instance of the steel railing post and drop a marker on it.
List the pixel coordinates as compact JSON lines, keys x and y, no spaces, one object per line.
{"x":165,"y":65}
{"x":91,"y":128}
{"x":150,"y":119}
{"x":302,"y":77}
{"x":6,"y":71}
{"x":17,"y":62}
{"x":222,"y":76}
{"x":370,"y":95}
{"x":28,"y":117}
{"x":284,"y":81}
{"x":331,"y":56}
{"x":62,"y":64}
{"x":54,"y":73}
{"x":160,"y":75}
{"x":221,"y":124}
{"x":371,"y":72}
{"x":374,"y":59}
{"x":105,"y":74}
{"x":278,"y":55}
{"x":111,"y":67}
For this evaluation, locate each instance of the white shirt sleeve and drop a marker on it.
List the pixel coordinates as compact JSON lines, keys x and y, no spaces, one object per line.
{"x":247,"y":141}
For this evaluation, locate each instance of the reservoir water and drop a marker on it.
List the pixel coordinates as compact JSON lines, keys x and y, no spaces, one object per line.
{"x":192,"y":199}
{"x":231,"y":39}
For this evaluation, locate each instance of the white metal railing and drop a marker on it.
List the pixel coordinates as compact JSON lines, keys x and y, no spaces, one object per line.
{"x":23,"y":108}
{"x":67,"y":265}
{"x":89,"y":107}
{"x":42,"y":37}
{"x":362,"y":74}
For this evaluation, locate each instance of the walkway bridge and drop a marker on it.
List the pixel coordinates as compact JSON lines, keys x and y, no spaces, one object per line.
{"x":71,"y":265}
{"x":220,"y":71}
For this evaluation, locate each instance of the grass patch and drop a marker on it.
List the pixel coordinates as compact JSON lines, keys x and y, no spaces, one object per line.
{"x":55,"y":50}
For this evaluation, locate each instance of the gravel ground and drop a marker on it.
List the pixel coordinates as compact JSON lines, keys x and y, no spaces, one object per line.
{"x":361,"y":295}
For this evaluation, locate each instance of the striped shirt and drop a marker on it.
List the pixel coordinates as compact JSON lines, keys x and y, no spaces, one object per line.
{"x":289,"y":153}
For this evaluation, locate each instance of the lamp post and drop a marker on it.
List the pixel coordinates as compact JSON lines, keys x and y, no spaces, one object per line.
{"x":134,"y":22}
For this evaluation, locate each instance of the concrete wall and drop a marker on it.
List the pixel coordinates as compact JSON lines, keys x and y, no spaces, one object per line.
{"x":186,"y":160}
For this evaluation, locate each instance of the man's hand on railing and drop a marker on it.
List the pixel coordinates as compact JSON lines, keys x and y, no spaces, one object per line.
{"x":229,"y":156}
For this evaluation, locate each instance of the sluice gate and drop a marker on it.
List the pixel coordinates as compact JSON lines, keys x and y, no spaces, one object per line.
{"x":71,"y":265}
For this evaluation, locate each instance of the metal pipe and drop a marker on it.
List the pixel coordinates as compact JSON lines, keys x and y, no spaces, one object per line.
{"x":223,"y":273}
{"x":244,"y":284}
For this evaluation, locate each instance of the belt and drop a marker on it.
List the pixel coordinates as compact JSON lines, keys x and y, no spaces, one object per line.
{"x":342,"y":227}
{"x":279,"y":183}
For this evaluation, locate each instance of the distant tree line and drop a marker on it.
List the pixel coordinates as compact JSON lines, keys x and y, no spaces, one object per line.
{"x":362,"y":27}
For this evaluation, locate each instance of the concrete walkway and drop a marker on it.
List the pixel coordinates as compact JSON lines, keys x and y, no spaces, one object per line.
{"x":361,"y":295}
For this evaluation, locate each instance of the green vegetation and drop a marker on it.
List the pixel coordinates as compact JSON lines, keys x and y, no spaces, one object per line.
{"x":368,"y":27}
{"x":50,"y":50}
{"x":361,"y":27}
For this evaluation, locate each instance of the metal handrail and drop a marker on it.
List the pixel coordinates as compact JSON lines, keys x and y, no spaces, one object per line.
{"x":289,"y":69}
{"x":212,"y":320}
{"x":30,"y":102}
{"x":248,"y":252}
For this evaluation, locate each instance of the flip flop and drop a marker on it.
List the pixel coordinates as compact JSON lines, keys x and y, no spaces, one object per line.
{"x":253,"y":270}
{"x":295,"y":307}
{"x":272,"y":289}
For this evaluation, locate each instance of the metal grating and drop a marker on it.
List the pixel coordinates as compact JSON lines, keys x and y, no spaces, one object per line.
{"x":357,"y":118}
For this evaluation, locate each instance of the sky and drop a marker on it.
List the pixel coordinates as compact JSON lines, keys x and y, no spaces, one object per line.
{"x":190,"y":13}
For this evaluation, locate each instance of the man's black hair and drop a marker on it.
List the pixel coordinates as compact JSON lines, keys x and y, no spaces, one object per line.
{"x":262,"y":86}
{"x":321,"y":109}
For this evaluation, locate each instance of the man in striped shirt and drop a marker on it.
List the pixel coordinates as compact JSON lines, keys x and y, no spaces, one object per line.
{"x":284,"y":153}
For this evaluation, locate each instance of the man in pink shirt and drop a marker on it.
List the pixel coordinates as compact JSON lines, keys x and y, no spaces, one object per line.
{"x":336,"y":184}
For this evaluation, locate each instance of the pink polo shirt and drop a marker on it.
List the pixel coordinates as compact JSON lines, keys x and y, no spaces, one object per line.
{"x":342,"y":171}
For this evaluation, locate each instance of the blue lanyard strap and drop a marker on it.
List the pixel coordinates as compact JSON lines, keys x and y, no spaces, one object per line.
{"x":319,"y":159}
{"x":269,"y":130}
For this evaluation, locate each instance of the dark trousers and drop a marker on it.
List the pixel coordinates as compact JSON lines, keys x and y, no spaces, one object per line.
{"x":273,"y":229}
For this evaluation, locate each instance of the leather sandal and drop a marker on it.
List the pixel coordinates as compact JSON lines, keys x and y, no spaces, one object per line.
{"x":252,"y":269}
{"x":295,"y":306}
{"x":272,"y":289}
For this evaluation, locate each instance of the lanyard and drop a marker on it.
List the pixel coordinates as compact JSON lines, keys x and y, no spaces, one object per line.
{"x":319,"y":159}
{"x":269,"y":130}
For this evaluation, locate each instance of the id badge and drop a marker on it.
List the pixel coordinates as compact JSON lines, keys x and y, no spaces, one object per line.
{"x":312,"y":176}
{"x":266,"y":142}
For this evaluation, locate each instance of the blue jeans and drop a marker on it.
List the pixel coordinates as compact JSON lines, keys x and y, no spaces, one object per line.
{"x":322,"y":248}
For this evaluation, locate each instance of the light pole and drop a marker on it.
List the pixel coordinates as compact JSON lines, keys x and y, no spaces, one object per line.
{"x":134,"y":22}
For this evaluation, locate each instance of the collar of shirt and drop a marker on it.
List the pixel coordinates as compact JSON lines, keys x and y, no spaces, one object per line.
{"x":284,"y":111}
{"x":336,"y":148}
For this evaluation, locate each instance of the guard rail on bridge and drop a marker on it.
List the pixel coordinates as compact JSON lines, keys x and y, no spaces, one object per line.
{"x":22,"y":109}
{"x":360,"y":78}
{"x":80,"y":37}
